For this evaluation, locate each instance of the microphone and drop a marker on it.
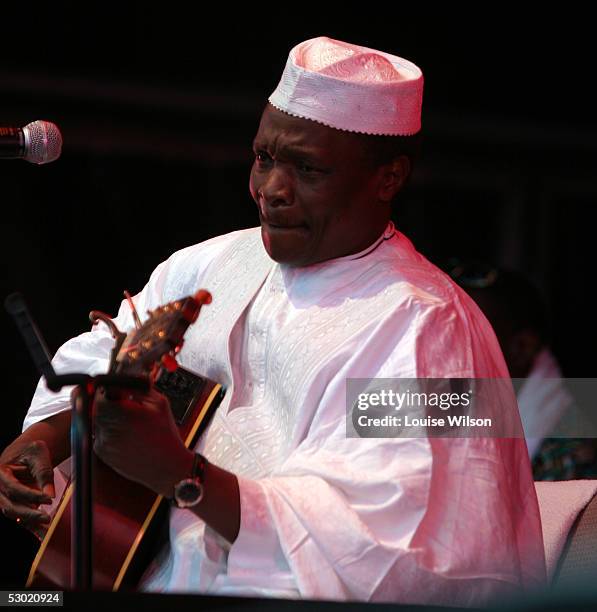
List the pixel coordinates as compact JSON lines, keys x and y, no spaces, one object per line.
{"x":39,"y":142}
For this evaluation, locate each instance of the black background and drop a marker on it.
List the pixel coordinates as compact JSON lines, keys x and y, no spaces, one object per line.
{"x":158,"y":104}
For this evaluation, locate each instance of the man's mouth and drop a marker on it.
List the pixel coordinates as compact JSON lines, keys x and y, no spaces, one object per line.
{"x":279,"y":224}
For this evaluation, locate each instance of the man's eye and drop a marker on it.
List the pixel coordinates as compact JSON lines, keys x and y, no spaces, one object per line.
{"x":262,"y":157}
{"x":307,"y":168}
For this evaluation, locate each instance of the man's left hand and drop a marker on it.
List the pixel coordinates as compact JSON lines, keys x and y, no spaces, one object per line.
{"x":135,"y":434}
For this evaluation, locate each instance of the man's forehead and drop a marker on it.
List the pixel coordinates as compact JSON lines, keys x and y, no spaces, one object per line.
{"x":284,"y":129}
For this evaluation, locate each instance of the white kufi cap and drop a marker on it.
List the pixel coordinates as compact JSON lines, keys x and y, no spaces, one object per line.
{"x":349,"y":87}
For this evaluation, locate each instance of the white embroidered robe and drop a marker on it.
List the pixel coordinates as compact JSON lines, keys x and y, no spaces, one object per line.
{"x":450,"y":521}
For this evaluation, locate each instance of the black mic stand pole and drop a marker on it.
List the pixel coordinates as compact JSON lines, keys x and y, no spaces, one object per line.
{"x":81,"y":435}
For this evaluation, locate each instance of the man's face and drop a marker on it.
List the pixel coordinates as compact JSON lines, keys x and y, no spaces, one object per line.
{"x":315,"y":189}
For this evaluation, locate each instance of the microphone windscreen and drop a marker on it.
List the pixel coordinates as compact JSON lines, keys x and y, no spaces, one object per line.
{"x":43,"y":142}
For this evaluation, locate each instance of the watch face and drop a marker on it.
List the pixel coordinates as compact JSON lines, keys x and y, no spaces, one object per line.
{"x":188,"y":492}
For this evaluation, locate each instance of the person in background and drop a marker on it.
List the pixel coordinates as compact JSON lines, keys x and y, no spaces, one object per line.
{"x":551,"y":420}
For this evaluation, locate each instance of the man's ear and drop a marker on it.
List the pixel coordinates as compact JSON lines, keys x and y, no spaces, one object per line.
{"x":393,"y":177}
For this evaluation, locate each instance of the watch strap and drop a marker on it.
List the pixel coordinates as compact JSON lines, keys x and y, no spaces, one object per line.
{"x":198,"y":469}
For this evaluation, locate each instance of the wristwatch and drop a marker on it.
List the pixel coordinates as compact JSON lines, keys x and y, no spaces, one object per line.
{"x":189,"y":491}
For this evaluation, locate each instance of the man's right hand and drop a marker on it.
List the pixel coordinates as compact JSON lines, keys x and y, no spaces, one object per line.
{"x":26,"y":482}
{"x":26,"y":471}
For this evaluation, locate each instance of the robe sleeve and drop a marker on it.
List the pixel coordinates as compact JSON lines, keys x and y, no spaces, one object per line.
{"x":446,"y":521}
{"x":89,"y":352}
{"x":440,"y":521}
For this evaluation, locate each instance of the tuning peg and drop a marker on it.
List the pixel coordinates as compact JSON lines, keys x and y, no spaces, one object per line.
{"x":169,"y":362}
{"x":203,"y":296}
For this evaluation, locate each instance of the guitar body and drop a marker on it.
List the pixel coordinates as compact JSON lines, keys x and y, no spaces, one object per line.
{"x":127,"y":517}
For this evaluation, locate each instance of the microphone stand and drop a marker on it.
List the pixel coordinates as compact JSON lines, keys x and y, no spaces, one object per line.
{"x":81,"y":434}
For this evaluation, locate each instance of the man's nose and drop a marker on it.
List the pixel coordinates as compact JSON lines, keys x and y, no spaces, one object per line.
{"x":277,"y":189}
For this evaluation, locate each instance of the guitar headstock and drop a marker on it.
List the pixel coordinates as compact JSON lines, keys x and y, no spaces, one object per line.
{"x":160,"y":337}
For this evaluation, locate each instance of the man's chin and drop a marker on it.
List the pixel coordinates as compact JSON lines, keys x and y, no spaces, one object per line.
{"x":286,"y":248}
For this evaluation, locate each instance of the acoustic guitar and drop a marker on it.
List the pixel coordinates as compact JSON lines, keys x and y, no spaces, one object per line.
{"x":127,"y":517}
